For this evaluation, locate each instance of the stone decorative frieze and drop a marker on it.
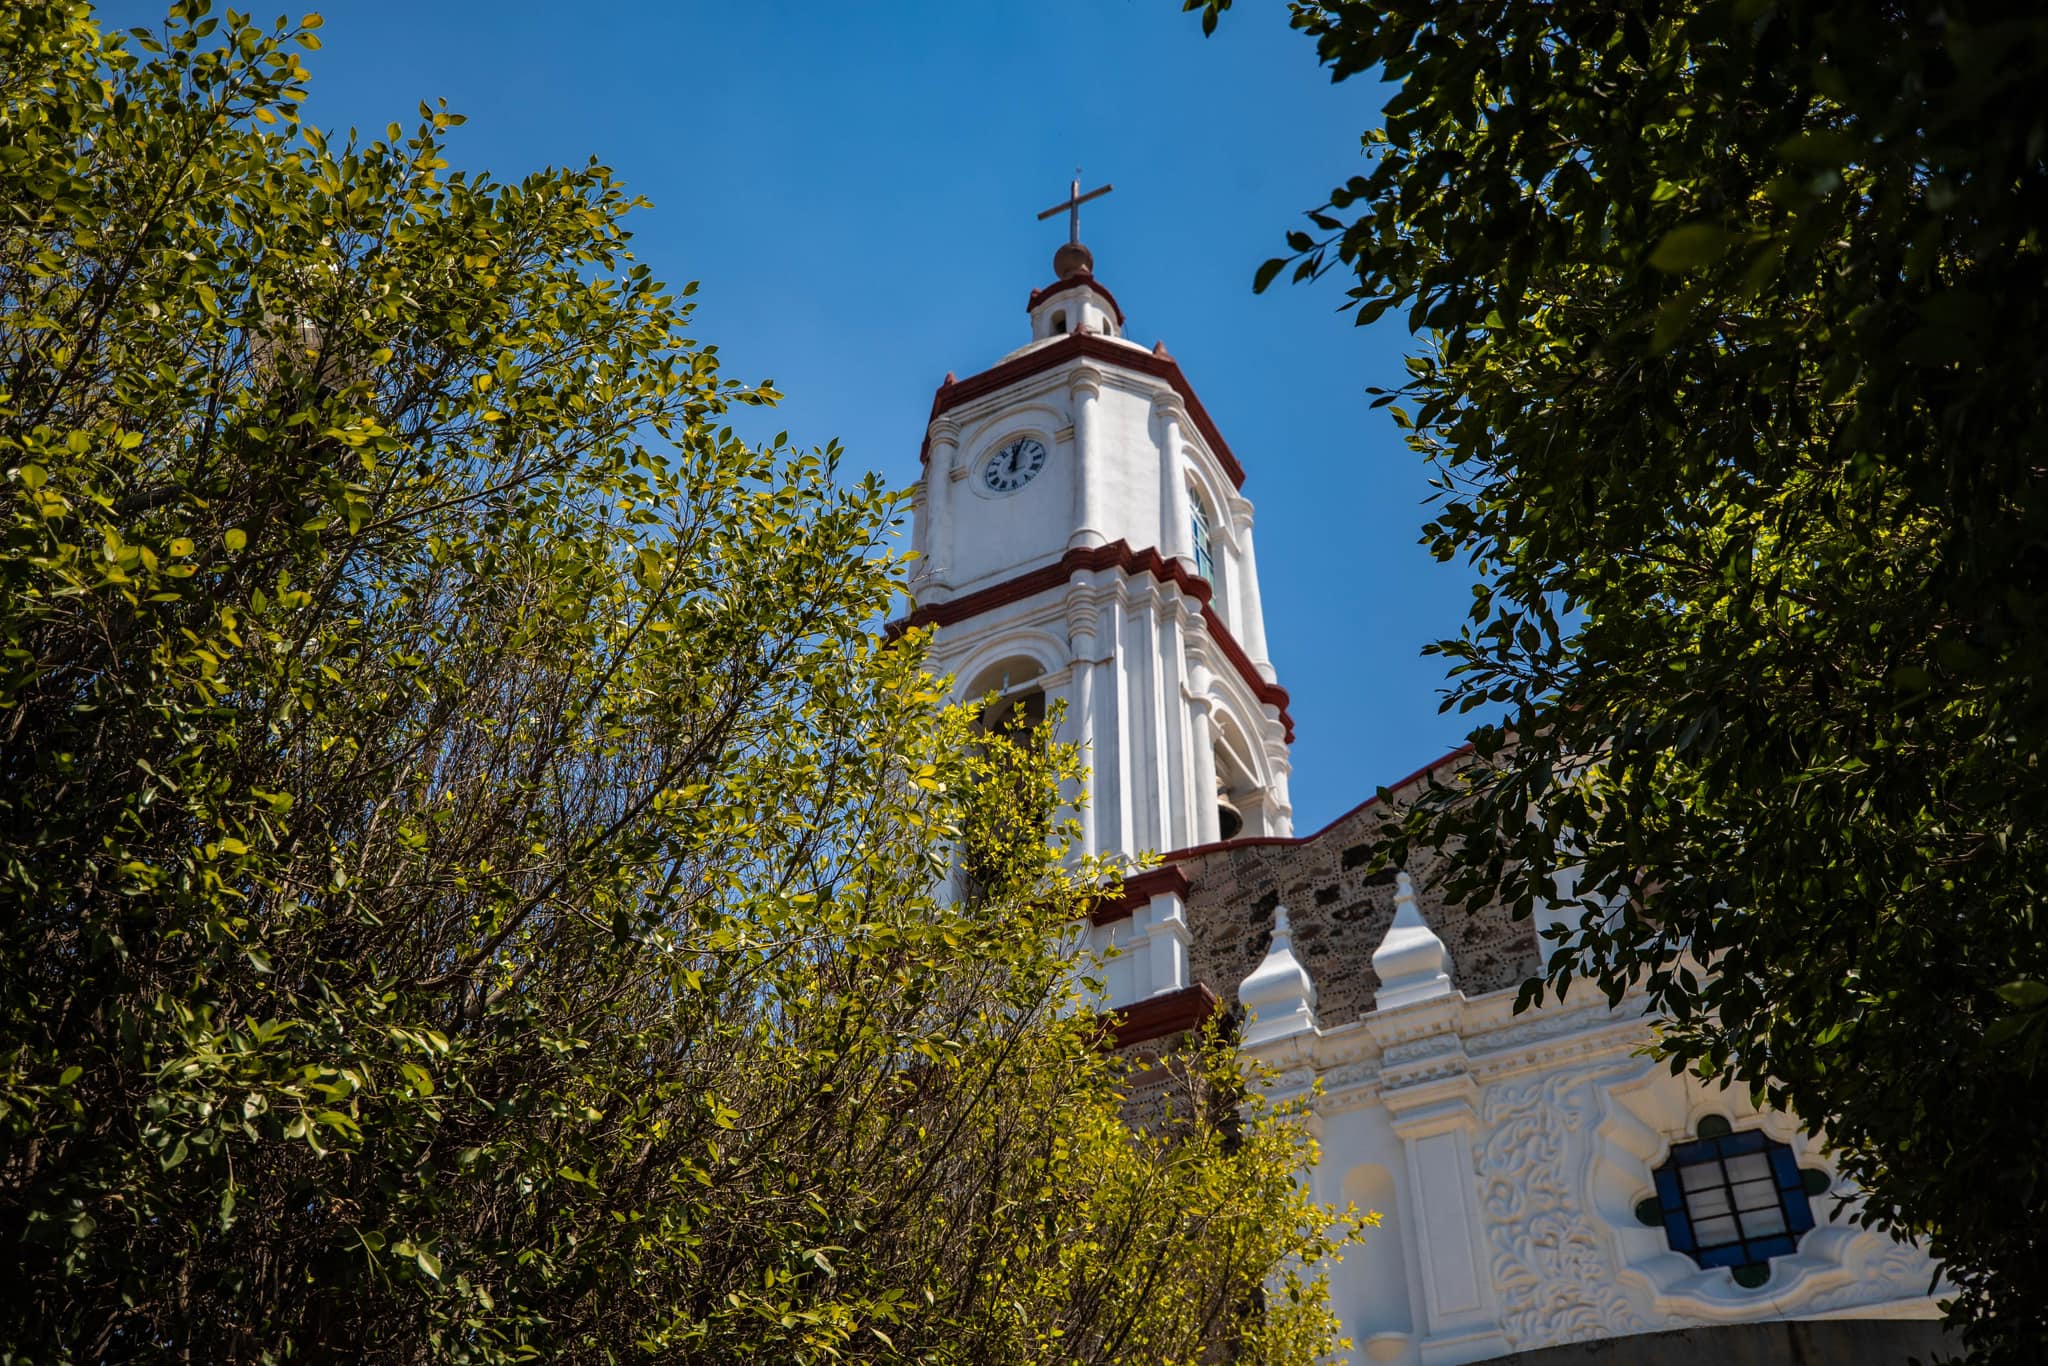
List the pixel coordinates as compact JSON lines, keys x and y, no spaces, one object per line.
{"x":1550,"y":1265}
{"x":1893,"y":1272}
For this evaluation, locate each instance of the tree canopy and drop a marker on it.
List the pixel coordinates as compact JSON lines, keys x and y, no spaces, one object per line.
{"x":1733,"y":378}
{"x":468,"y":850}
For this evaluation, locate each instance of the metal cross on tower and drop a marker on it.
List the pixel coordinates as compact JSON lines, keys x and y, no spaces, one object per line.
{"x":1075,"y":199}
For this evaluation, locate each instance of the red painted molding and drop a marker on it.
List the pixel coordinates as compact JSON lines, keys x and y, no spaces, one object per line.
{"x":1138,"y":891}
{"x":1115,"y":555}
{"x":1080,"y":345}
{"x":1157,"y":1017}
{"x":1072,"y":282}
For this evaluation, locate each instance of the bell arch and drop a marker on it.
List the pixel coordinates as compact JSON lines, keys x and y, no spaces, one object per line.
{"x":1243,"y":777}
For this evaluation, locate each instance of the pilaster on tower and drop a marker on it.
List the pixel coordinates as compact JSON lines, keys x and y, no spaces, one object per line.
{"x":1084,"y":536}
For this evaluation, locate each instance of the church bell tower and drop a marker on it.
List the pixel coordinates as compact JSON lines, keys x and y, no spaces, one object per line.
{"x":1084,"y":537}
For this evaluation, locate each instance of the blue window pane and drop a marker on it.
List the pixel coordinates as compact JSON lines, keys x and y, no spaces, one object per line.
{"x":1714,"y":1190}
{"x":1763,"y":1248}
{"x":1685,"y":1154}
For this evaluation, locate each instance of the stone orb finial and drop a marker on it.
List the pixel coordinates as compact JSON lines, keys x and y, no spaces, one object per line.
{"x":1071,"y":260}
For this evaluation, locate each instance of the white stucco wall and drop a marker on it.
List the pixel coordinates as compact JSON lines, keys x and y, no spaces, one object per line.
{"x":1509,"y":1153}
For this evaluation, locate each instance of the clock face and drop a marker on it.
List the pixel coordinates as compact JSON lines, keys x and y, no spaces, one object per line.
{"x":1013,"y":466}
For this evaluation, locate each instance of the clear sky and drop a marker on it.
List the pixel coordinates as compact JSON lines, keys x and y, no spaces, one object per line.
{"x":855,"y":187}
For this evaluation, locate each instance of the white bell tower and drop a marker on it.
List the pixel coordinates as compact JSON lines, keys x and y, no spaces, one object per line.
{"x":1084,"y":538}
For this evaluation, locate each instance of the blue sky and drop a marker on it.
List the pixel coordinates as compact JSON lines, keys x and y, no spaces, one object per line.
{"x":855,"y":187}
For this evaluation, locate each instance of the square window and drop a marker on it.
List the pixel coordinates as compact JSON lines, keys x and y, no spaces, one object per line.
{"x":1733,"y":1199}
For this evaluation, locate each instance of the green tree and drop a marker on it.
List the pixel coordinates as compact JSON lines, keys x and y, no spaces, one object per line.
{"x":1734,"y":384}
{"x":467,"y":848}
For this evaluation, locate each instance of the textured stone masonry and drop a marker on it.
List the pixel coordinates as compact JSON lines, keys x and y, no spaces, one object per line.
{"x":1340,"y":913}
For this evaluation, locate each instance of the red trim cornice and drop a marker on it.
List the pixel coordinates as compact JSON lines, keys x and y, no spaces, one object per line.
{"x":1073,"y":282}
{"x":1158,"y":1017}
{"x":1115,"y":555}
{"x":1138,"y":891}
{"x":1088,"y":346}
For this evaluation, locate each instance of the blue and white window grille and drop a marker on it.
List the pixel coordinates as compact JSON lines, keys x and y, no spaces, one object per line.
{"x":1733,"y":1199}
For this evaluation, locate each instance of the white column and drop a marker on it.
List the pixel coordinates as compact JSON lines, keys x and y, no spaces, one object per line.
{"x":1085,"y":389}
{"x":1457,"y":1295}
{"x":939,"y":475}
{"x":1202,"y":738}
{"x":1278,"y":802}
{"x":1430,"y":1098}
{"x":1173,"y":481}
{"x":1176,"y":831}
{"x":1132,"y":718}
{"x":921,"y":526}
{"x":1081,"y":727}
{"x":1167,"y":942}
{"x":1251,"y":612}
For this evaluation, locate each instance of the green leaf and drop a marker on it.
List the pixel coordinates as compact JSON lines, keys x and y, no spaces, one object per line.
{"x":1692,"y":247}
{"x":2026,"y":993}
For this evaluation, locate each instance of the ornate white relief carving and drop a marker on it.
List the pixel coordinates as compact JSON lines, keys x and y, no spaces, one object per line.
{"x":1550,"y":1264}
{"x":1837,"y":1264}
{"x":1897,"y":1271}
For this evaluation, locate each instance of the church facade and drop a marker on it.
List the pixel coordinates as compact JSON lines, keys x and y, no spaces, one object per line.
{"x":1085,"y":537}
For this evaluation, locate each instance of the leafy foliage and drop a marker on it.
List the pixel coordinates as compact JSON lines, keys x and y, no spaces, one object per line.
{"x":1736,"y":393}
{"x":466,"y":850}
